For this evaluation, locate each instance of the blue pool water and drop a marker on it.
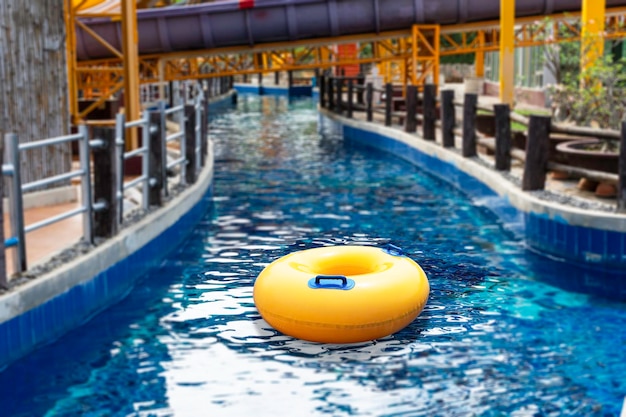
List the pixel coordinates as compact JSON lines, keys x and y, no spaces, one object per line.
{"x":493,"y":340}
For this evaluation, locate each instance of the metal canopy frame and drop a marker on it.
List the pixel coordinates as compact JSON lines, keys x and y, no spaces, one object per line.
{"x":393,"y":51}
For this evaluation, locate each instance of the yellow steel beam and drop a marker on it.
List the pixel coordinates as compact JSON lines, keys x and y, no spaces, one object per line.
{"x":132,"y":105}
{"x":389,"y":50}
{"x":70,"y":45}
{"x":507,"y":51}
{"x":479,"y":64}
{"x":592,"y":45}
{"x":100,"y":40}
{"x":99,"y":101}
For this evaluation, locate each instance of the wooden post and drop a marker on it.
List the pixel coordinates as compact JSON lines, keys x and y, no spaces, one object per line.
{"x":105,"y":180}
{"x":503,"y":136}
{"x":430,"y":111}
{"x":410,"y":122}
{"x":469,"y":125}
{"x":388,"y":103}
{"x":621,"y":189}
{"x":277,"y":78}
{"x":448,"y":118}
{"x":339,"y":92}
{"x":350,"y":98}
{"x":290,"y":78}
{"x":190,"y":143}
{"x":322,"y":91}
{"x":360,"y":83}
{"x":537,"y":148}
{"x":260,"y":78}
{"x":331,"y":93}
{"x":369,"y":97}
{"x":156,"y":168}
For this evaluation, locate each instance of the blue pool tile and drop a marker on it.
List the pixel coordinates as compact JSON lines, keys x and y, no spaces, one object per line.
{"x":614,"y":246}
{"x":571,"y":241}
{"x":598,"y":241}
{"x":583,"y":240}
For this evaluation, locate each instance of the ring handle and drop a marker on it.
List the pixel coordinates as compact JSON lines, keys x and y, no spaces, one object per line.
{"x":331,"y":282}
{"x":393,"y":250}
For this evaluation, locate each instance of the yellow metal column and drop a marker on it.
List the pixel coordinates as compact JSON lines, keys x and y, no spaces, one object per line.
{"x":592,"y":45}
{"x":70,"y":28}
{"x":480,"y":55}
{"x":132,"y":106}
{"x":507,"y":51}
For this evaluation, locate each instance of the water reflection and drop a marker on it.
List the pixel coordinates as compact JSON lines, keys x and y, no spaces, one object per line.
{"x":188,"y":341}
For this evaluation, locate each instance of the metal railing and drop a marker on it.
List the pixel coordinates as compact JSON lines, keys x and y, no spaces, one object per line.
{"x":144,"y":151}
{"x":16,"y":190}
{"x":106,"y":157}
{"x":178,"y":113}
{"x":198,"y":108}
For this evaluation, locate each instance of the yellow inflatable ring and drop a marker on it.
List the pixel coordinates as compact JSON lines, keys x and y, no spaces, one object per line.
{"x":341,"y":294}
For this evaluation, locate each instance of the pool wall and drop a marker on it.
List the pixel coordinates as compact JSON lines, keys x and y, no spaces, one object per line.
{"x":276,"y":90}
{"x":588,"y":238}
{"x":45,"y":308}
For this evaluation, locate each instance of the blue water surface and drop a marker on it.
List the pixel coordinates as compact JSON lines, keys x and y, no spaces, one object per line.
{"x":494,"y":339}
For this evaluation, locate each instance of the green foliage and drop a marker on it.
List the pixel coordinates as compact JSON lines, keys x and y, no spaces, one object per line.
{"x":595,"y":96}
{"x":457,"y":59}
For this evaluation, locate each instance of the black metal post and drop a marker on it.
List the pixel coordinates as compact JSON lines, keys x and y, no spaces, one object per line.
{"x":388,"y":103}
{"x":448,"y":118}
{"x":105,"y":180}
{"x":322,"y":91}
{"x":469,"y":125}
{"x":410,"y":122}
{"x":339,"y":92}
{"x":537,"y":148}
{"x":350,"y":97}
{"x":204,"y":132}
{"x":503,"y":136}
{"x":361,"y":84}
{"x":156,"y":170}
{"x":331,"y":93}
{"x":369,"y":97}
{"x":430,"y":111}
{"x":190,"y":143}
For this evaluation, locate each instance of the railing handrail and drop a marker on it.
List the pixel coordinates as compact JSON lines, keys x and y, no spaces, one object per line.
{"x":110,"y":151}
{"x":17,"y":189}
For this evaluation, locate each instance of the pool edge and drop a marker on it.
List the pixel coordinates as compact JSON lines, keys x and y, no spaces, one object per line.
{"x":590,"y":238}
{"x":50,"y":305}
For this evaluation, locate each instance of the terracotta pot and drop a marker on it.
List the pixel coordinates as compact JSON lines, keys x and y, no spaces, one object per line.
{"x":575,"y":153}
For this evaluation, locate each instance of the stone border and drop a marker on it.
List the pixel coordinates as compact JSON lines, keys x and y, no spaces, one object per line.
{"x":552,"y":224}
